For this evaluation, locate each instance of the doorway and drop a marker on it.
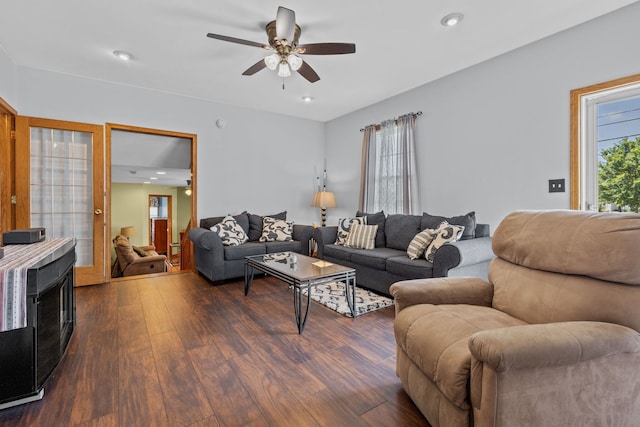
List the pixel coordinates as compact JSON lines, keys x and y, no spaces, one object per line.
{"x":151,"y":182}
{"x":160,"y":220}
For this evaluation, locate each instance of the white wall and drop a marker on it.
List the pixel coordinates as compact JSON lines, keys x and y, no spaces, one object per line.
{"x":491,"y":136}
{"x":260,"y":162}
{"x":7,"y":78}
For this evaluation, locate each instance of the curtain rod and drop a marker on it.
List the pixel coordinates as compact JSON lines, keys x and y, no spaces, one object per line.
{"x":418,"y":114}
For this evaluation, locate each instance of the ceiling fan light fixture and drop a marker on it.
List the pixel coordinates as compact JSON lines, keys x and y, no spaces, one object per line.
{"x":272,"y":61}
{"x":284,"y":70}
{"x":452,"y":19}
{"x":295,"y":62}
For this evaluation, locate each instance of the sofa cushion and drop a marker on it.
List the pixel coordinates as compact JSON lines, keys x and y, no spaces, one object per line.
{"x":276,"y":230}
{"x":230,"y":232}
{"x":446,"y":233}
{"x":241,"y":251}
{"x":344,"y":225}
{"x":443,"y":354}
{"x":399,"y":230}
{"x":255,"y":224}
{"x":378,"y":219}
{"x":339,"y":252}
{"x":141,"y":252}
{"x":362,"y":236}
{"x":420,"y":242}
{"x":290,"y":246}
{"x":468,"y":221}
{"x":242,"y":218}
{"x":376,"y":258}
{"x":402,"y":266}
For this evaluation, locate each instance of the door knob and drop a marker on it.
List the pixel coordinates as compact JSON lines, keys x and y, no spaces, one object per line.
{"x":97,"y":211}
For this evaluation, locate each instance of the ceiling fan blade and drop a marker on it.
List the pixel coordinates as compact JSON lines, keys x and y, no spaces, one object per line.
{"x":239,"y":41}
{"x":308,"y":73}
{"x":285,"y":23}
{"x":254,"y":68}
{"x":326,"y":48}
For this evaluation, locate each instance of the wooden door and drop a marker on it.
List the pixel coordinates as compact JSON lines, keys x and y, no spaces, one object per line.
{"x":60,"y":186}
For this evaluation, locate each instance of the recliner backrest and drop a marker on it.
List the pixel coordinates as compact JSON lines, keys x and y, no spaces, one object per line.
{"x":568,"y":265}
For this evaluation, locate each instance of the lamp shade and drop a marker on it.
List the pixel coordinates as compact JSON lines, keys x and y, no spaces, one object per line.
{"x":129,"y":231}
{"x":324,"y":199}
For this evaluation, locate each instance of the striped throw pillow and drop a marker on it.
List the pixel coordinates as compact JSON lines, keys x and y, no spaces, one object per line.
{"x":362,"y":236}
{"x":420,"y":242}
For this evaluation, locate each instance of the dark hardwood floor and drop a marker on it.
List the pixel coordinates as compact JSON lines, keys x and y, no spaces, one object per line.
{"x":174,"y":350}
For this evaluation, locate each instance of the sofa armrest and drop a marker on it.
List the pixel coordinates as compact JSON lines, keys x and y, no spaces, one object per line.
{"x":147,"y":248}
{"x":460,"y":254}
{"x":324,"y":236}
{"x":303,"y":234}
{"x":551,"y":344}
{"x":206,"y":239}
{"x":443,"y":290}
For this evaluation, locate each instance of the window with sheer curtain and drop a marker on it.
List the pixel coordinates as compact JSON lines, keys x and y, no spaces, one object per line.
{"x":389,"y":179}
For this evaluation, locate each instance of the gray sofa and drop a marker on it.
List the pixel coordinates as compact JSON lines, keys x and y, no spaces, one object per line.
{"x":378,"y":268}
{"x":218,"y":262}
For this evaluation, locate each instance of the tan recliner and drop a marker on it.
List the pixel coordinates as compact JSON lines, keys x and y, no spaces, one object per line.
{"x":132,"y":260}
{"x":550,"y":340}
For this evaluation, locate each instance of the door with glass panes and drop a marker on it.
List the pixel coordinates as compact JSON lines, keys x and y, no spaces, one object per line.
{"x":60,"y":186}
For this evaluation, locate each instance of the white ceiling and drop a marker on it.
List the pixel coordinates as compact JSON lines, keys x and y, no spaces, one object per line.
{"x":143,"y":158}
{"x":400,"y":44}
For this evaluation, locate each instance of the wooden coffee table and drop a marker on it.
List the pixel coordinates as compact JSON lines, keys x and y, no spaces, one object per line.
{"x":302,"y":273}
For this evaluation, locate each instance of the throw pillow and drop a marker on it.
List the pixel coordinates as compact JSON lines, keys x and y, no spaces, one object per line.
{"x":362,"y":236}
{"x":230,"y":232}
{"x":378,"y":219}
{"x":468,"y":221}
{"x":140,"y":251}
{"x":344,"y":225}
{"x":420,"y":242}
{"x":276,"y":230}
{"x":255,"y":224}
{"x":445,"y":233}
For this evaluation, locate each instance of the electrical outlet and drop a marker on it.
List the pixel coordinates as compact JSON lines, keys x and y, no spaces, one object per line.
{"x":556,"y":185}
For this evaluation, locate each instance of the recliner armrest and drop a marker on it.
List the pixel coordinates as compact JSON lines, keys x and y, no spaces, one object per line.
{"x":443,"y":290}
{"x":551,"y":344}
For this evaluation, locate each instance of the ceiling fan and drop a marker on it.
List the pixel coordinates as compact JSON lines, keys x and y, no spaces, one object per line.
{"x":283,"y":35}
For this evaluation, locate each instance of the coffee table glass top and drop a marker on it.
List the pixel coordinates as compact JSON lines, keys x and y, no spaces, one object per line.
{"x":299,"y":267}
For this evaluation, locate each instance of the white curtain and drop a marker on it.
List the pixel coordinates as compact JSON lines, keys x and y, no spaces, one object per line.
{"x":389,"y":176}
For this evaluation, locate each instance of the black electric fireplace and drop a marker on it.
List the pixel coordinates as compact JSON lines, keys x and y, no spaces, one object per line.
{"x":29,"y":355}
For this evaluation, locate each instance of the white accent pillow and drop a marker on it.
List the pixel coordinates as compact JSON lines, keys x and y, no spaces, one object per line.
{"x":231,"y":233}
{"x":344,"y":225}
{"x":420,"y":242}
{"x":362,"y":236}
{"x":446,"y":233}
{"x":276,"y":230}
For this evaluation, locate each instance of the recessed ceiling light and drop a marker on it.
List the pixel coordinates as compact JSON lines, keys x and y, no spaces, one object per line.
{"x":307,"y":98}
{"x":161,"y":173}
{"x":125,"y":56}
{"x":452,"y":19}
{"x":153,"y":177}
{"x":146,"y":182}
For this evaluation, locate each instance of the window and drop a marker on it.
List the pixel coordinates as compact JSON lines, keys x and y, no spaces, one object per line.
{"x":605,"y":146}
{"x":389,"y":181}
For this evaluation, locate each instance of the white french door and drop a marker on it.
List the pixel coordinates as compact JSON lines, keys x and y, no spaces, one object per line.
{"x":60,"y":186}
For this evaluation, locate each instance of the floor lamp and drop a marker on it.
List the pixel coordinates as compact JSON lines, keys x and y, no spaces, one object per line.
{"x":324,"y":200}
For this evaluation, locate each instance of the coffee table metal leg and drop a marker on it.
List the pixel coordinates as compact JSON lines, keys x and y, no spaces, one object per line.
{"x":248,"y":278}
{"x":297,"y":306}
{"x":350,"y":293}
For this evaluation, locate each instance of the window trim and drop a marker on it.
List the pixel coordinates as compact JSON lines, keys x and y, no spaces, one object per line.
{"x":577,"y":98}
